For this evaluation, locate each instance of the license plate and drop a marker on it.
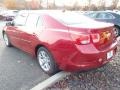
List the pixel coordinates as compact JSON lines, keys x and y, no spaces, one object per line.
{"x":109,"y":54}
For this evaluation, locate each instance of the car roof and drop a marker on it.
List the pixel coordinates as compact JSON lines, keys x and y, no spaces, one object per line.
{"x":40,"y":11}
{"x":52,"y":13}
{"x":68,"y":18}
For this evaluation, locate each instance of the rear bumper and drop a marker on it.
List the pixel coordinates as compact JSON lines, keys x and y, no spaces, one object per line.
{"x":84,"y":66}
{"x":86,"y":59}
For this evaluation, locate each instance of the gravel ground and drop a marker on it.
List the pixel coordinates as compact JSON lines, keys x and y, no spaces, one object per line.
{"x":104,"y":78}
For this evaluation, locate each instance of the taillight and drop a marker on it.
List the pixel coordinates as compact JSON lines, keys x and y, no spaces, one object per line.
{"x":81,"y":38}
{"x":95,"y":38}
{"x":85,"y":38}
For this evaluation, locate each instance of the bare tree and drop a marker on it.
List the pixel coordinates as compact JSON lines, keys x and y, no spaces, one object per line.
{"x":76,"y":6}
{"x":40,"y":2}
{"x":93,"y":7}
{"x":114,"y":4}
{"x":85,"y":8}
{"x":54,"y":4}
{"x":89,"y":4}
{"x":47,"y":4}
{"x":101,"y":5}
{"x":10,"y":4}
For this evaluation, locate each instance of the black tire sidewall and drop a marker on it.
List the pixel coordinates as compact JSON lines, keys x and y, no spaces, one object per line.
{"x":9,"y":43}
{"x":118,"y":28}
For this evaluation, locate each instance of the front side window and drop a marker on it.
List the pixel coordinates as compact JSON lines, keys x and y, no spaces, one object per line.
{"x":71,"y":18}
{"x":20,"y":20}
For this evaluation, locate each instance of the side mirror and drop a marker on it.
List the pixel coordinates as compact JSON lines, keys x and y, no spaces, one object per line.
{"x":10,"y":23}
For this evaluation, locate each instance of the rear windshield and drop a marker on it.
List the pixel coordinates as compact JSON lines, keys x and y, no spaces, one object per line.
{"x":71,"y":18}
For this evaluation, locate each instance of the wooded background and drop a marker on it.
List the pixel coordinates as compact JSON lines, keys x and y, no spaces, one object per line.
{"x":38,"y":4}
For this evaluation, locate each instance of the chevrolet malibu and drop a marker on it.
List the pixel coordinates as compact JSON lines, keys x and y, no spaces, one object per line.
{"x":62,"y":40}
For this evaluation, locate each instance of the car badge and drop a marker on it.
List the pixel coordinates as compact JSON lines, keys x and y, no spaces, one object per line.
{"x":105,"y":36}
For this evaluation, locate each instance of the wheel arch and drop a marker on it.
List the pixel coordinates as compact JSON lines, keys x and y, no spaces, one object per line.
{"x":41,"y":45}
{"x":38,"y":46}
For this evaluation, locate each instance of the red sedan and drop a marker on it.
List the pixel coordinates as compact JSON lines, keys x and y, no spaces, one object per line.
{"x":62,"y":40}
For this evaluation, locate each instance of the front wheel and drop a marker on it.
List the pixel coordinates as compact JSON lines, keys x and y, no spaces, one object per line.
{"x":6,"y":40}
{"x":46,"y":61}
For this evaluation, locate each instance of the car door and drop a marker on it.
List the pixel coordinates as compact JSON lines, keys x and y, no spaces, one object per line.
{"x":27,"y":34}
{"x":15,"y":29}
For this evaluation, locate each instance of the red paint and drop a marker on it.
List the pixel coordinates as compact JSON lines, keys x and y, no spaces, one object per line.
{"x":64,"y":43}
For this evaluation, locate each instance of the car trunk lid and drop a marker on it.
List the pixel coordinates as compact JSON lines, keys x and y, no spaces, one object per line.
{"x":99,"y":33}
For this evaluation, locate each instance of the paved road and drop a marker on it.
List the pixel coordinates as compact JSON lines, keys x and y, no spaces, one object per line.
{"x":18,"y":70}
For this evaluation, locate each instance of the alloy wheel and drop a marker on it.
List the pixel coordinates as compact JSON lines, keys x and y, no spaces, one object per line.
{"x":44,"y":60}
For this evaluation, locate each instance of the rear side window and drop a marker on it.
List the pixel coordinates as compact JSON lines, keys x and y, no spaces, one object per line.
{"x":32,"y":20}
{"x":69,"y":18}
{"x":40,"y":22}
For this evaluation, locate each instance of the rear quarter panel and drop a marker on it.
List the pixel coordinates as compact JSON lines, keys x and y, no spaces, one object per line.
{"x":56,"y":39}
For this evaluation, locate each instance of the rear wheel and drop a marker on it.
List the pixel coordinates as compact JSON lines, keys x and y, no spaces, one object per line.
{"x":46,"y":61}
{"x":6,"y":40}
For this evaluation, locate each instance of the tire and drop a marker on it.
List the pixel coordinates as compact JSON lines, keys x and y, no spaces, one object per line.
{"x":6,"y":40}
{"x":46,"y":61}
{"x":117,"y":31}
